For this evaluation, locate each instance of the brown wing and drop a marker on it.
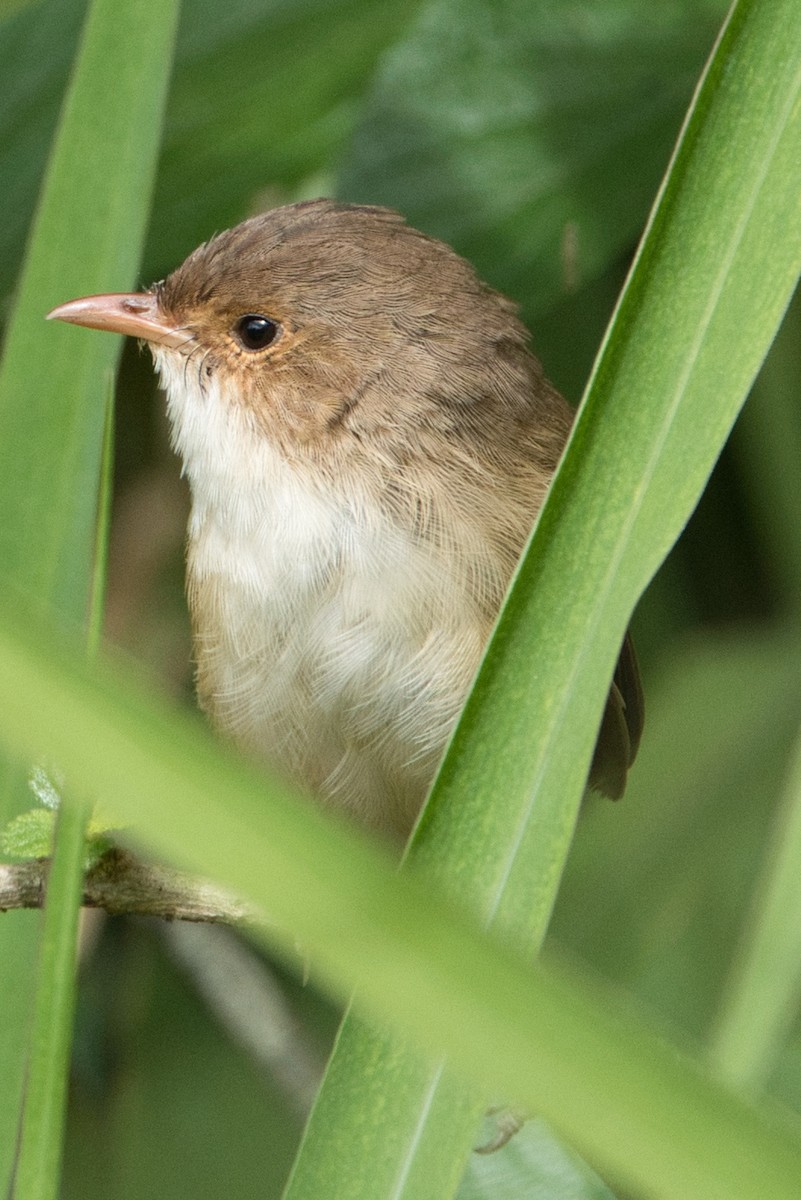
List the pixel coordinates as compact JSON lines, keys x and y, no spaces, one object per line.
{"x":621,"y":727}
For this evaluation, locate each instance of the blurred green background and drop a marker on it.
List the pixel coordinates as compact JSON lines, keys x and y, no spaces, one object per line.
{"x":532,"y":136}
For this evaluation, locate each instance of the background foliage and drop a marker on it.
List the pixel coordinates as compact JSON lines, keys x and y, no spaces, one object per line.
{"x":533,"y":137}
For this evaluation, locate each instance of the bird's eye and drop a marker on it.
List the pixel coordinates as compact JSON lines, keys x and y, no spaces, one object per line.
{"x":255,"y":332}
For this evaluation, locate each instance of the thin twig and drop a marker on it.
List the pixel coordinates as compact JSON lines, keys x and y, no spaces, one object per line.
{"x":120,"y":883}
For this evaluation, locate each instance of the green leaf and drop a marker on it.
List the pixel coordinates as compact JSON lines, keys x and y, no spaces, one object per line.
{"x":711,"y":282}
{"x":264,"y":95}
{"x":37,"y":1170}
{"x":765,"y":985}
{"x":767,"y":445}
{"x":8,"y":7}
{"x":52,"y":404}
{"x":656,"y":889}
{"x":416,"y":1123}
{"x":549,"y":1041}
{"x":88,"y":229}
{"x":575,"y":108}
{"x":29,"y":834}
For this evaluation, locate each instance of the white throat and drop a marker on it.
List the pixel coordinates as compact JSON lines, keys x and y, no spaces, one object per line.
{"x":327,"y":638}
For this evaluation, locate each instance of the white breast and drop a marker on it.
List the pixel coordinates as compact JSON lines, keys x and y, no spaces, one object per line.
{"x":327,"y":639}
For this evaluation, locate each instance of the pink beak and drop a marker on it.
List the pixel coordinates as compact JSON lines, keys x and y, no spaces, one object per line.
{"x":136,"y":314}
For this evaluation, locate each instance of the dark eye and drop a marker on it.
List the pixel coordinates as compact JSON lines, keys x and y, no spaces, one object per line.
{"x":255,"y":332}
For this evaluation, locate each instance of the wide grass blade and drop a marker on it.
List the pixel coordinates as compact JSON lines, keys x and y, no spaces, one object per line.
{"x":546,"y":1040}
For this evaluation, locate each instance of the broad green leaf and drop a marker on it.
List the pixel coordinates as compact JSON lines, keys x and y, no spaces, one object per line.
{"x":549,"y":1041}
{"x":573,"y":107}
{"x":8,"y":7}
{"x":265,"y":94}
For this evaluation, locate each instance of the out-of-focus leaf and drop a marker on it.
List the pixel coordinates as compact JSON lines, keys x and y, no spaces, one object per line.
{"x":656,"y":888}
{"x":767,"y":449}
{"x":264,"y":94}
{"x":547,"y":1039}
{"x":764,"y":986}
{"x":548,"y":125}
{"x":9,"y":7}
{"x":29,"y":834}
{"x":163,"y":1104}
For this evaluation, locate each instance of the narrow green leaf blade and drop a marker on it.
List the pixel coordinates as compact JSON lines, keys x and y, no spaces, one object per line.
{"x":706,"y":295}
{"x":87,"y":236}
{"x":38,"y":1167}
{"x":765,"y":985}
{"x":39,"y":1155}
{"x":88,"y":230}
{"x":711,"y":283}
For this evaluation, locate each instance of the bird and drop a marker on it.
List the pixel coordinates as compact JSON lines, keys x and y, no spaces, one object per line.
{"x":368,"y":438}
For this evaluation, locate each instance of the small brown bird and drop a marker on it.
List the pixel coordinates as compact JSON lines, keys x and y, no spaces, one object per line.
{"x":368,"y":439}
